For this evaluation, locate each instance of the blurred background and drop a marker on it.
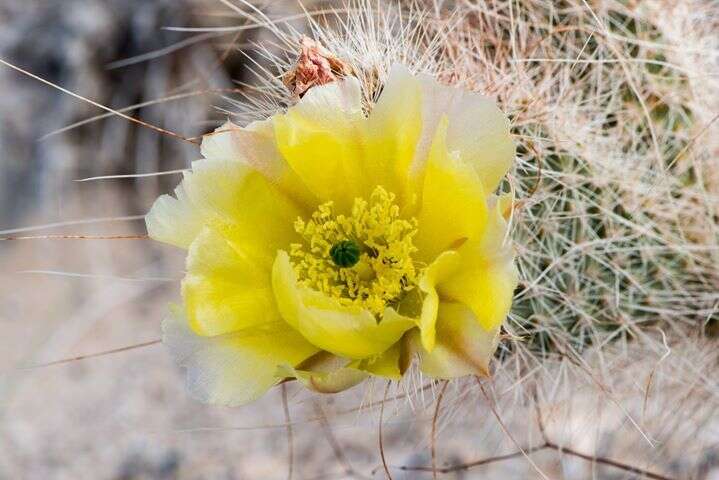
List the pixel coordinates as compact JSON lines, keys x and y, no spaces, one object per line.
{"x":116,"y":416}
{"x":181,"y":66}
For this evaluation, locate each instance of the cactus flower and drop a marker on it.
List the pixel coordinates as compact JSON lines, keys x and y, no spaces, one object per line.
{"x":326,"y":245}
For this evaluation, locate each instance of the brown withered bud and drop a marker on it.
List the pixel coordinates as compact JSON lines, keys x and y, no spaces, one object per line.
{"x":315,"y":66}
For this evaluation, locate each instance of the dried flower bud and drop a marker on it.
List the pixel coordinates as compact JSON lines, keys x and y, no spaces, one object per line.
{"x":315,"y":66}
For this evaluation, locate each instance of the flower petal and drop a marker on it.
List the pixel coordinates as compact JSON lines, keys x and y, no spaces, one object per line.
{"x":446,"y":264}
{"x":256,"y":146}
{"x":231,"y":198}
{"x":320,"y":140}
{"x":174,"y":220}
{"x":488,"y":276}
{"x":390,"y":364}
{"x":324,"y":373}
{"x":463,"y":346}
{"x":413,"y":107}
{"x":236,"y":368}
{"x":224,"y":289}
{"x":477,"y":129}
{"x":393,"y":131}
{"x":454,"y":205}
{"x":349,"y":332}
{"x":243,"y":205}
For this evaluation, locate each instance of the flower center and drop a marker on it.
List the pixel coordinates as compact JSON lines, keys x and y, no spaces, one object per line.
{"x":345,"y":253}
{"x":364,"y":259}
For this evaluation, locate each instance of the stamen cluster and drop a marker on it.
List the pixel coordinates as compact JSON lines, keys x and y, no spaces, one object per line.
{"x":385,"y":271}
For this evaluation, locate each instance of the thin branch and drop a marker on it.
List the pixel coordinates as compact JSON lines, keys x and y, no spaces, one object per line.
{"x":524,"y":452}
{"x":493,"y":407}
{"x":381,"y":445}
{"x":476,"y":463}
{"x":607,"y":461}
{"x":540,"y":420}
{"x":290,"y":433}
{"x":537,"y":448}
{"x":433,"y":440}
{"x":334,"y":444}
{"x":93,"y":355}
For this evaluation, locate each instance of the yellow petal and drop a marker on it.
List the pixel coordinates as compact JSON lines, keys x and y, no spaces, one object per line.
{"x":231,"y":198}
{"x":174,"y":220}
{"x":446,"y":264}
{"x":392,"y":135}
{"x":236,"y":368}
{"x":349,"y":332}
{"x":320,"y":140}
{"x":454,"y":205}
{"x":463,"y":346}
{"x":487,"y":278}
{"x":324,"y":373}
{"x":390,"y":364}
{"x":222,"y":191}
{"x":477,"y":129}
{"x":256,"y":146}
{"x":224,"y":289}
{"x":414,"y":106}
{"x":243,"y":205}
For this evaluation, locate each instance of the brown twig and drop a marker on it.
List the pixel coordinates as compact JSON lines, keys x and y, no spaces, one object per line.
{"x":433,"y":439}
{"x":493,"y":407}
{"x":476,"y":463}
{"x":525,"y":452}
{"x":381,"y":445}
{"x":540,"y":421}
{"x":334,"y":444}
{"x":290,"y":433}
{"x":537,"y":448}
{"x":93,"y":355}
{"x":607,"y":461}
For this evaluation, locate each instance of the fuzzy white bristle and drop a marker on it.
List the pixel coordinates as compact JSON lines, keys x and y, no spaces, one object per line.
{"x":613,"y":111}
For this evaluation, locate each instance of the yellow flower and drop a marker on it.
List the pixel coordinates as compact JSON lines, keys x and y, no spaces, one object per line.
{"x":327,"y":245}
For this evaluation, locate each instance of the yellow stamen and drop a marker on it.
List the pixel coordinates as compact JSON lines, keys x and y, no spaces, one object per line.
{"x":385,"y":271}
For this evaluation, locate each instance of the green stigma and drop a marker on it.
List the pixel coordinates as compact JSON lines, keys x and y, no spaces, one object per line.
{"x":362,"y":260}
{"x":345,"y":254}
